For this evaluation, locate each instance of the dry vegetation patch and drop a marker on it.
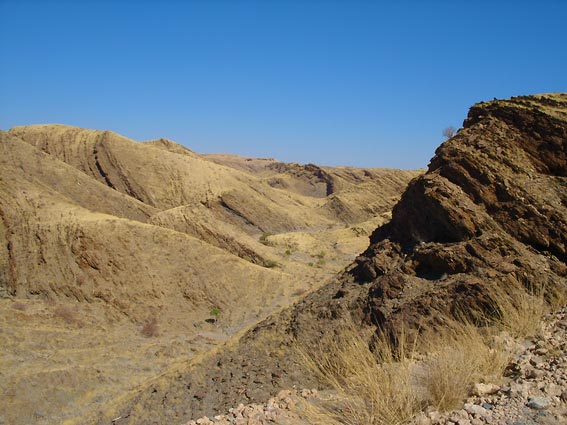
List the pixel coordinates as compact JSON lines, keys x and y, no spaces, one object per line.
{"x":68,"y":315}
{"x":457,"y":358}
{"x":391,"y":383}
{"x":370,"y":387}
{"x":520,"y":312}
{"x":19,"y":306}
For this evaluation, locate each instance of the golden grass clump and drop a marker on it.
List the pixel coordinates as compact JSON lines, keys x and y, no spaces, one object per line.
{"x":371,"y":388}
{"x":458,"y":357}
{"x":393,"y":382}
{"x":520,"y":312}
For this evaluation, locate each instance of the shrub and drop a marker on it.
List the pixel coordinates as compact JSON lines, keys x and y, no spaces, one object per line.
{"x":270,"y":264}
{"x":66,"y":314}
{"x":298,"y":292}
{"x":19,"y":306}
{"x":449,"y":132}
{"x":215,"y":312}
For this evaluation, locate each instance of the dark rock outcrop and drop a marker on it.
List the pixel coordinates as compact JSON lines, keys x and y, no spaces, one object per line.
{"x":320,"y":182}
{"x":489,"y":213}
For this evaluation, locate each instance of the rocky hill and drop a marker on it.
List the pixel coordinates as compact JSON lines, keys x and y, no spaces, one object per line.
{"x":489,"y":216}
{"x":120,"y":259}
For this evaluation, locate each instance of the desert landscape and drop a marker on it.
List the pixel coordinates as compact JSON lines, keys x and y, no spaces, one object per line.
{"x":145,"y":283}
{"x":121,"y":259}
{"x":307,"y":212}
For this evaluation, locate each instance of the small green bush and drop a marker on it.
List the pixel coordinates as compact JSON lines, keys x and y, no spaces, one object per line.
{"x":264,"y":239}
{"x":215,"y":312}
{"x":270,"y":264}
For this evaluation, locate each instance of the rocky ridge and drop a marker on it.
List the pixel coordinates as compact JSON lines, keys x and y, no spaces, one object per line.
{"x":489,"y":214}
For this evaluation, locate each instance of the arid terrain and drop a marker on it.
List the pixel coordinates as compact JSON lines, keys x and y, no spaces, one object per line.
{"x":283,"y":212}
{"x":479,"y":237}
{"x":143,"y":283}
{"x":123,"y":261}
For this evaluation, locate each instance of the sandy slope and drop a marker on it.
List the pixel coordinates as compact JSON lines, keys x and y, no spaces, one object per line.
{"x":100,"y":235}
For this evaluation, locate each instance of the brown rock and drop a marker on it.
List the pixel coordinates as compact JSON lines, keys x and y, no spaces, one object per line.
{"x":478,"y":217}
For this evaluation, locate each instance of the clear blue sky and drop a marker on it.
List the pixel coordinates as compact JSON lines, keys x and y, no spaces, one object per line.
{"x":359,"y":83}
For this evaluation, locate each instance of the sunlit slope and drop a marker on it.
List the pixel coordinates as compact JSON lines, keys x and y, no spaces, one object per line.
{"x":170,"y":176}
{"x":349,"y":194}
{"x":101,"y":236}
{"x":57,"y":248}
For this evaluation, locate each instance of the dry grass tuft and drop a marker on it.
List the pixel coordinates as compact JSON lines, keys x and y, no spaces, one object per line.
{"x":557,"y":298}
{"x":458,"y":357}
{"x":392,"y":383}
{"x":270,"y":264}
{"x":372,"y":388}
{"x":520,"y":312}
{"x":467,"y":354}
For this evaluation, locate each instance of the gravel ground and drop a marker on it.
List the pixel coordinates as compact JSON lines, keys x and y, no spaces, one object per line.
{"x":536,"y":391}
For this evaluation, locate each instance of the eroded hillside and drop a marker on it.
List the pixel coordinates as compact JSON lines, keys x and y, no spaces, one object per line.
{"x":488,"y":217}
{"x":120,"y":259}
